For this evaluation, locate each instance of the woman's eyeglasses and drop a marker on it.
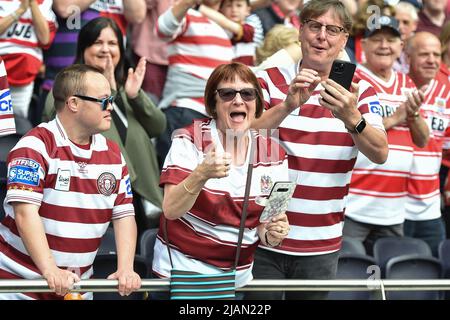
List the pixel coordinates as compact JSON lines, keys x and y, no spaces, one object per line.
{"x":104,"y":102}
{"x":228,"y":94}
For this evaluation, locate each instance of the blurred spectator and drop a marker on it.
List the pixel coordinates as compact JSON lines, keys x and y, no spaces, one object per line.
{"x":279,"y":37}
{"x":322,"y":140}
{"x":57,"y":210}
{"x":135,"y":118}
{"x":433,"y":16}
{"x":377,"y":196}
{"x":444,"y":70}
{"x":423,"y":206}
{"x":364,"y":18}
{"x":279,"y":12}
{"x":146,"y":43}
{"x":196,"y":46}
{"x":7,"y":124}
{"x":26,"y":26}
{"x":234,"y":18}
{"x":406,"y":14}
{"x":72,"y":15}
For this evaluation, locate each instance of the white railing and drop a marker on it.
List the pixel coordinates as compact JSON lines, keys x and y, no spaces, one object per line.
{"x":380,"y":285}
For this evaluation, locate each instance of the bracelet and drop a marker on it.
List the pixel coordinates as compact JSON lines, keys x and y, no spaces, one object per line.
{"x":267,"y":241}
{"x":189,"y":191}
{"x":14,"y":16}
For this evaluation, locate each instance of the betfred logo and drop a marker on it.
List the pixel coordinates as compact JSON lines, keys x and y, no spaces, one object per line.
{"x":25,"y":162}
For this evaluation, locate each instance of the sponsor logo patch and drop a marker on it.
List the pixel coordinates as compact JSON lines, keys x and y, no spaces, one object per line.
{"x":106,"y":183}
{"x":375,"y":107}
{"x":62,"y":180}
{"x":24,"y":171}
{"x":129,"y":193}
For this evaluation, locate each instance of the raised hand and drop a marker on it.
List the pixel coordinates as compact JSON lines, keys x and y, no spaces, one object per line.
{"x":413,"y":103}
{"x":108,"y":72}
{"x":301,"y":88}
{"x":341,"y":102}
{"x":215,"y":165}
{"x":135,"y":79}
{"x":24,"y":4}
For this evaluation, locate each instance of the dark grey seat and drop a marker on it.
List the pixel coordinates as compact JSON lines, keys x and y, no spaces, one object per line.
{"x":390,"y":247}
{"x":353,"y":266}
{"x":413,"y":266}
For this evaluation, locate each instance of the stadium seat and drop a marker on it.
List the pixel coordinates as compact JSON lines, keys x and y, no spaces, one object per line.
{"x":147,"y":242}
{"x":351,"y":245}
{"x":353,"y":266}
{"x":444,"y":257}
{"x":106,"y":264}
{"x":108,"y":244}
{"x":413,"y":266}
{"x":389,"y":247}
{"x":6,"y":144}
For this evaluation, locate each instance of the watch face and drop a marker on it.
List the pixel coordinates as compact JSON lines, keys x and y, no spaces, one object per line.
{"x":360,"y":126}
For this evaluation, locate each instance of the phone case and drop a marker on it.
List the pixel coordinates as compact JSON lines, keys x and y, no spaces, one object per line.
{"x":342,"y":73}
{"x":278,"y":200}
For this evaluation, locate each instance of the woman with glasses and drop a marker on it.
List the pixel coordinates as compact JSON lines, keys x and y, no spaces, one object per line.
{"x":204,"y":179}
{"x":135,"y":118}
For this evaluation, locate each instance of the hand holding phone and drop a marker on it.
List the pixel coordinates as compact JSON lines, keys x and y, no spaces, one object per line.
{"x":278,"y":200}
{"x":342,"y":73}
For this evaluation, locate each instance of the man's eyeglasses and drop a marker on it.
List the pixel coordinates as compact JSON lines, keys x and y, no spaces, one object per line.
{"x":228,"y":94}
{"x":316,"y":26}
{"x":104,"y":102}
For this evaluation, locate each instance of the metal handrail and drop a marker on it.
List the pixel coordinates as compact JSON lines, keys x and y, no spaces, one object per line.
{"x":101,"y":285}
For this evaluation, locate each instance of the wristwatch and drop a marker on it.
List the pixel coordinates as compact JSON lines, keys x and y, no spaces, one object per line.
{"x":359,"y":126}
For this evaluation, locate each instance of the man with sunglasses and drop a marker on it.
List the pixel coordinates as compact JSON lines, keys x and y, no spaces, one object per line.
{"x":66,"y":182}
{"x":322,"y":126}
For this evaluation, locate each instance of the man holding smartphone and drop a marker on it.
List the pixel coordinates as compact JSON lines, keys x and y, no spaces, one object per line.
{"x":322,"y":139}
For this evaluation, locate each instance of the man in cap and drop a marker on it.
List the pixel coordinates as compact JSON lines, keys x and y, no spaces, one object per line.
{"x":377,"y":196}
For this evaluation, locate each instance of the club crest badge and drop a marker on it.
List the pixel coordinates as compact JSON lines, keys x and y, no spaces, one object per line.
{"x":106,"y":183}
{"x":266,"y":184}
{"x":440,"y":104}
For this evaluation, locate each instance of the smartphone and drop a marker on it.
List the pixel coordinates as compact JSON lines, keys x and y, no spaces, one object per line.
{"x":278,"y":200}
{"x":342,"y":72}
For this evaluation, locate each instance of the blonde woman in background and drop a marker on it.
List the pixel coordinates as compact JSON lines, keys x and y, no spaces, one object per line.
{"x":279,"y":37}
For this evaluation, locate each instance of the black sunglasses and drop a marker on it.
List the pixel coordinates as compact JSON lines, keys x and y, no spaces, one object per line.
{"x":228,"y":94}
{"x":104,"y":102}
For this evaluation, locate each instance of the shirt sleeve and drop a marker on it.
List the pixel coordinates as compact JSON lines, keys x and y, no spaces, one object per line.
{"x":27,"y":170}
{"x":169,"y":27}
{"x":369,"y":105}
{"x":123,"y":206}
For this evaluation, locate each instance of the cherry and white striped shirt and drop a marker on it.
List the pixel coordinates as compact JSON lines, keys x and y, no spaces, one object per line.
{"x":204,"y":239}
{"x":7,"y":124}
{"x":424,"y":198}
{"x":78,"y":192}
{"x":378,"y":192}
{"x":321,"y":156}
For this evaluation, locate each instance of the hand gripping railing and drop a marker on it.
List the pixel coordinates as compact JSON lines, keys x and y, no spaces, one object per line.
{"x":380,"y":285}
